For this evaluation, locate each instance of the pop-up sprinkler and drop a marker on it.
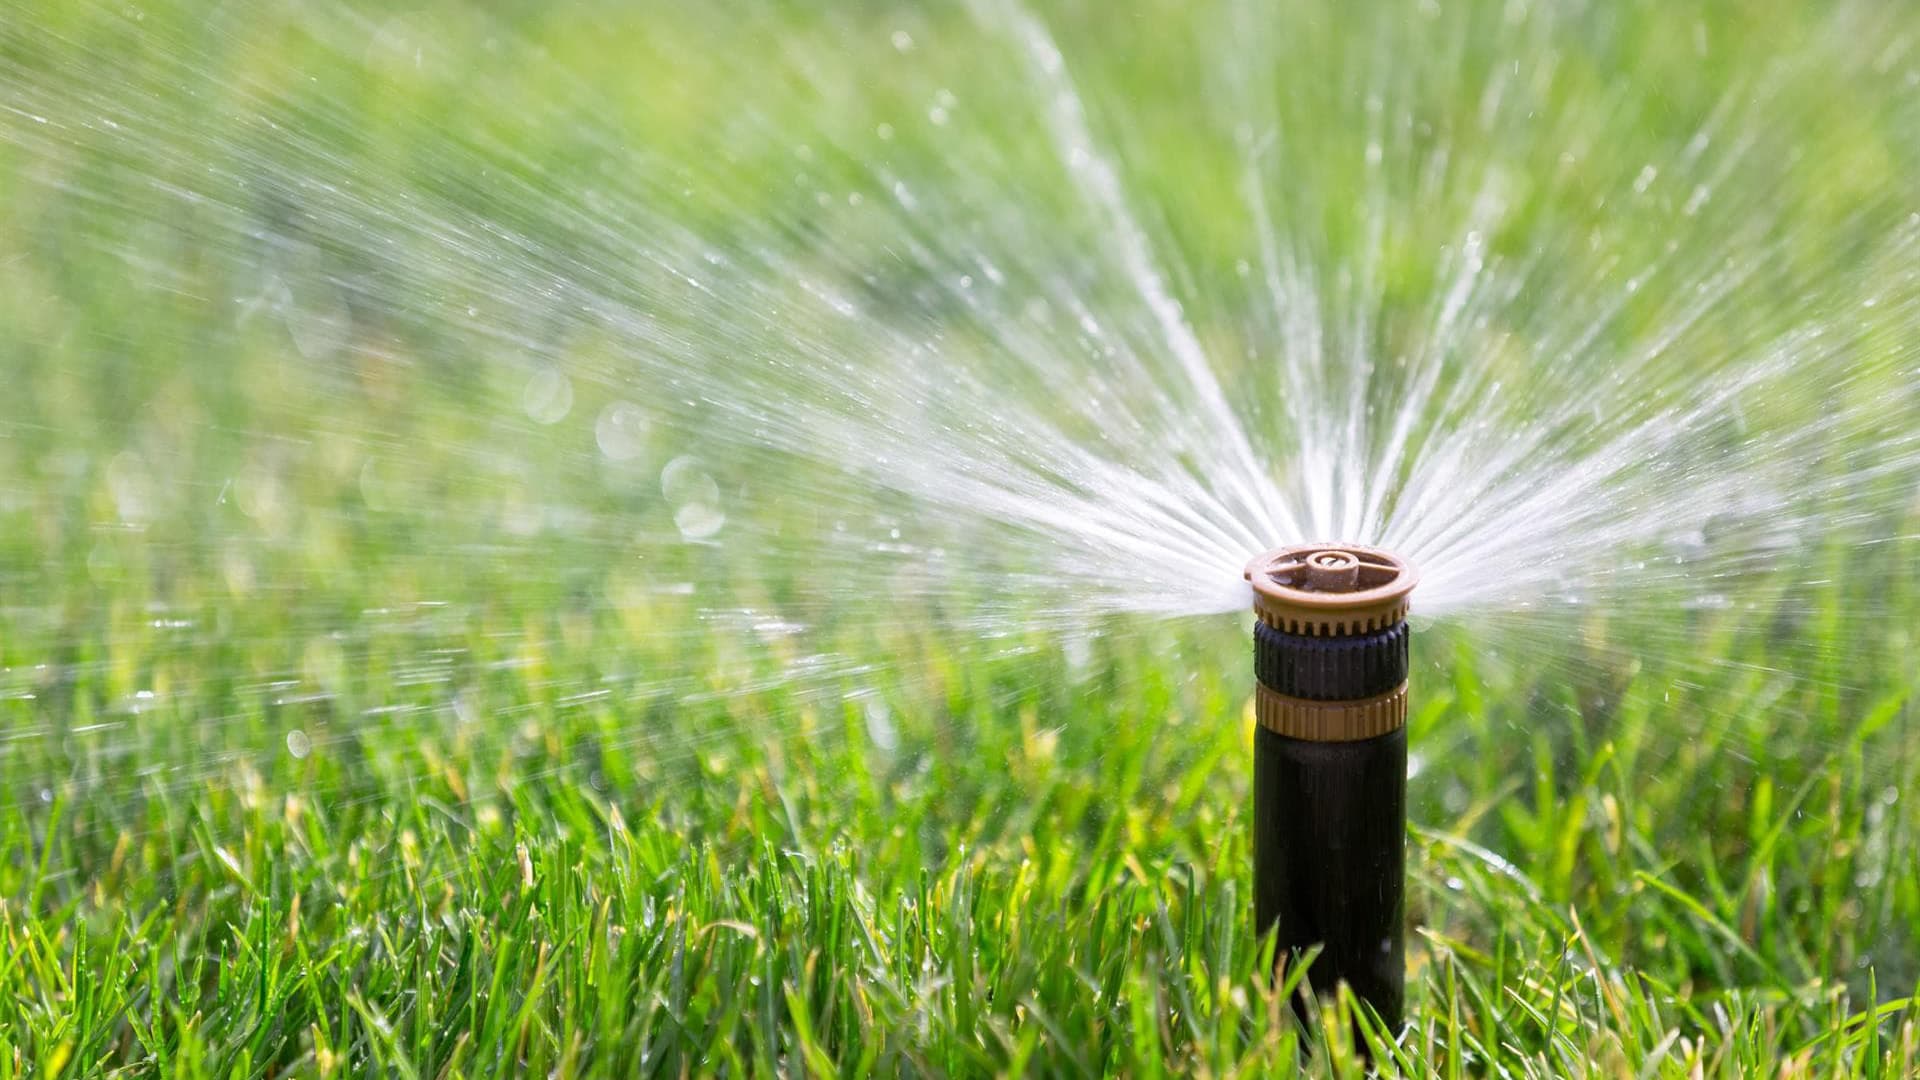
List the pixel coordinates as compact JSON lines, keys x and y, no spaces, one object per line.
{"x":1330,"y":764}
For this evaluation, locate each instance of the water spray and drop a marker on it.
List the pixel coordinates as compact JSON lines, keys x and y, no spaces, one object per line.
{"x":1330,"y":764}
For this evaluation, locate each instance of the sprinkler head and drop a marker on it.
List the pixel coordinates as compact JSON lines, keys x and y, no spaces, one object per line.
{"x":1329,"y":590}
{"x":1330,"y":649}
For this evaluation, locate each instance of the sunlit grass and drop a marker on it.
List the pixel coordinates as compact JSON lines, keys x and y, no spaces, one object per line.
{"x":1034,"y":870}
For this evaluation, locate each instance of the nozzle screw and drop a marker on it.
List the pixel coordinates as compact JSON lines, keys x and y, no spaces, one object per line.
{"x":1333,"y":571}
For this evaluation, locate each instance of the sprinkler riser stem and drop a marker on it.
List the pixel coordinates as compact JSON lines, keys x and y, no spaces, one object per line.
{"x":1329,"y":859}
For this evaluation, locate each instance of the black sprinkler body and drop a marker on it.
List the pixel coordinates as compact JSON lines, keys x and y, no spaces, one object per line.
{"x":1330,"y":764}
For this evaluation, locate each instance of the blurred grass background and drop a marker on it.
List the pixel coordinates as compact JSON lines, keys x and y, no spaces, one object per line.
{"x":357,"y":722}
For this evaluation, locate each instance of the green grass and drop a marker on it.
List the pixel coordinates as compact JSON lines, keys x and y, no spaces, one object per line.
{"x":1039,"y":874}
{"x":310,"y":766}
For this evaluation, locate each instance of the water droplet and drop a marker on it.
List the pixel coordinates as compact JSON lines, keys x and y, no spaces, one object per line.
{"x":298,"y":744}
{"x":880,"y":725}
{"x":621,"y":431}
{"x":694,"y":496}
{"x":548,"y":397}
{"x":131,"y":486}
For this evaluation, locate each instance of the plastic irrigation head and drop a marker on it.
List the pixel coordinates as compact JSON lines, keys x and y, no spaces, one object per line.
{"x":1330,"y":764}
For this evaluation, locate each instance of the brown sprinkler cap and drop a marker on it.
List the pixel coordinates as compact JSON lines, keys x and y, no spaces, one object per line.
{"x":1330,"y":590}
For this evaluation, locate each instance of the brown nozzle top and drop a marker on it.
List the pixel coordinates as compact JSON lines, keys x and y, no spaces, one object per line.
{"x":1330,"y":590}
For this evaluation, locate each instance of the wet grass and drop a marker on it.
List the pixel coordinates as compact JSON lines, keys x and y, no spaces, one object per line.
{"x":486,"y":851}
{"x":315,"y":762}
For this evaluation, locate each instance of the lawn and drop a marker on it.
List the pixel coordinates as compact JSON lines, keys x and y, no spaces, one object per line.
{"x":380,"y":694}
